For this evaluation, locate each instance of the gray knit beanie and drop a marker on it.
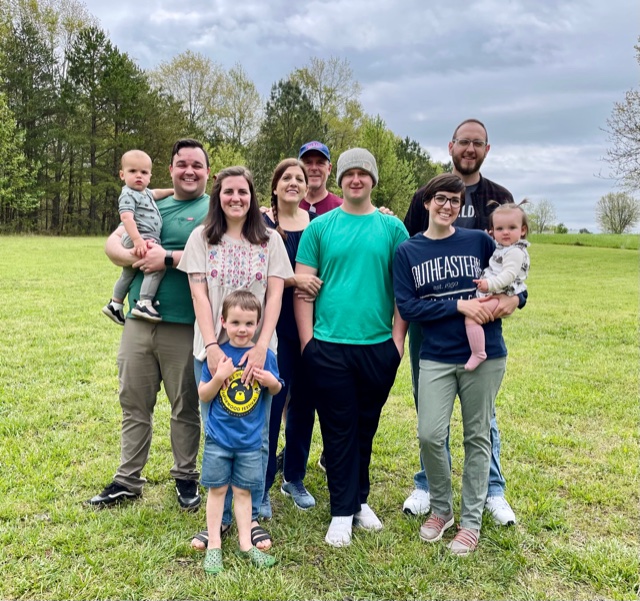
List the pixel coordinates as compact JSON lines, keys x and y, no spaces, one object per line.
{"x":357,"y":158}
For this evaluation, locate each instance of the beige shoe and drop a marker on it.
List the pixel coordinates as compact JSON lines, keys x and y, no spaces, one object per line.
{"x":464,"y":542}
{"x":433,"y":529}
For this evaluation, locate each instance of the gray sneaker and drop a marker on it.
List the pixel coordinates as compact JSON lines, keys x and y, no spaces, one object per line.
{"x":300,"y":495}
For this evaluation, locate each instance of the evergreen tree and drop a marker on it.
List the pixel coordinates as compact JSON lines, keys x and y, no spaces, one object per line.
{"x":422,"y":167}
{"x":18,"y":189}
{"x":289,"y":121}
{"x":396,"y":180}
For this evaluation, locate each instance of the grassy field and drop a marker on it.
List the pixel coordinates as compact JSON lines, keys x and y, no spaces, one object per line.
{"x":624,"y":241}
{"x":568,"y":415}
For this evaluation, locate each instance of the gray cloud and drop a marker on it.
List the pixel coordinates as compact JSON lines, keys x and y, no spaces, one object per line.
{"x":542,"y":74}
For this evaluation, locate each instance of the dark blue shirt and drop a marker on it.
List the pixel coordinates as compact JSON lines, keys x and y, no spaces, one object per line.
{"x":236,"y":414}
{"x":429,"y":277}
{"x":286,"y":326}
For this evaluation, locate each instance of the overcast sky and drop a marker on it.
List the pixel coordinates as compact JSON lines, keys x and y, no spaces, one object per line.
{"x":542,"y":74}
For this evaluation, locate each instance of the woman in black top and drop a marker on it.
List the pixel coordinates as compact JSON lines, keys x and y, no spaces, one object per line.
{"x":288,"y":187}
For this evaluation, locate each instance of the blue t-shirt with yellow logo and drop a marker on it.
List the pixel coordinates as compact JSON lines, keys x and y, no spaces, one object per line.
{"x":236,"y":415}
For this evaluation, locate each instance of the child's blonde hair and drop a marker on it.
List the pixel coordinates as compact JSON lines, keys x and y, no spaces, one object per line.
{"x":243,"y":299}
{"x":510,"y":206}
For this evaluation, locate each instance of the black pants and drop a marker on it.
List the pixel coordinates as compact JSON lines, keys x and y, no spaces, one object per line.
{"x":300,"y":416}
{"x":349,"y":384}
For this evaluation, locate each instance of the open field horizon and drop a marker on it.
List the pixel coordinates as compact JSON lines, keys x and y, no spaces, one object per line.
{"x":567,"y":413}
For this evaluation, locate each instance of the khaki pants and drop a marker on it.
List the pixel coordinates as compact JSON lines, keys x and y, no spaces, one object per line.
{"x":150,"y":354}
{"x":439,"y":384}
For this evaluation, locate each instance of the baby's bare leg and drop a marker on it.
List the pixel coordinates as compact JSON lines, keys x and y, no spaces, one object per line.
{"x":475,"y":335}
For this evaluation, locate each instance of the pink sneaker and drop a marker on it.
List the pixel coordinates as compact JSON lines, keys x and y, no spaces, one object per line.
{"x":464,"y":542}
{"x":433,"y":529}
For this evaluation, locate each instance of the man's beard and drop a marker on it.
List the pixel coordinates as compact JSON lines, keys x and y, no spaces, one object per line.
{"x":467,"y":170}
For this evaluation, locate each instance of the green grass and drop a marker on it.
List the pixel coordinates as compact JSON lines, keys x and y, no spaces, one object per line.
{"x":567,"y":412}
{"x":624,"y":241}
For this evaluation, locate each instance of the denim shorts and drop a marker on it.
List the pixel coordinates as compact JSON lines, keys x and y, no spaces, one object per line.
{"x":220,"y":467}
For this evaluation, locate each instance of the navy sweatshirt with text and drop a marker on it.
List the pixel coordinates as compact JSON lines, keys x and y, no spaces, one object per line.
{"x":429,"y":277}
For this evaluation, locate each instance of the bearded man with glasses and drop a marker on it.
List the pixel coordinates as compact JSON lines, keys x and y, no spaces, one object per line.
{"x":468,"y":149}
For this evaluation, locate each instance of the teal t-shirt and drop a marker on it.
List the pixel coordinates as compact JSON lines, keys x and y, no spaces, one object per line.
{"x":354,"y":258}
{"x":179,"y":219}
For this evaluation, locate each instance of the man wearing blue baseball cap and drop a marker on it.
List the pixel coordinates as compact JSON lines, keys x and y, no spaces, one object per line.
{"x":316,"y":158}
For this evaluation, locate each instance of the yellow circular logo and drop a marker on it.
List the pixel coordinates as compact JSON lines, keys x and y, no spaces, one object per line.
{"x":239,"y":399}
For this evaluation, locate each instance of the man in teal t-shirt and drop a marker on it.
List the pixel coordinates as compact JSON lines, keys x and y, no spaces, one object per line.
{"x":155,"y":353}
{"x":352,"y":351}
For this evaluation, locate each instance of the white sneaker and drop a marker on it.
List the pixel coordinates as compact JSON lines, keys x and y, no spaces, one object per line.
{"x":339,"y":533}
{"x":365,"y":518}
{"x":500,"y":510}
{"x":417,"y":503}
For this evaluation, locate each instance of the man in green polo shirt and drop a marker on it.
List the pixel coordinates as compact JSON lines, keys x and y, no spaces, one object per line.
{"x":151,"y":353}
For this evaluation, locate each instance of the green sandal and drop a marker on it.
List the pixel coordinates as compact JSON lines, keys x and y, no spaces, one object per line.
{"x":213,"y":561}
{"x":258,"y":558}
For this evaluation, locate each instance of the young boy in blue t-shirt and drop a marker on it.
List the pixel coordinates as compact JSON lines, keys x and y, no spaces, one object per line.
{"x":233,"y":434}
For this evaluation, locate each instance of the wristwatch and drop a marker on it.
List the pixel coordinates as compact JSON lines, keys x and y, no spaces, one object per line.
{"x":168,"y":259}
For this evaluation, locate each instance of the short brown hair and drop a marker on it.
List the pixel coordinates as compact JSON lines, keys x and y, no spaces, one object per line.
{"x":445,"y":182}
{"x":243,"y":299}
{"x":188,"y":143}
{"x":480,"y":123}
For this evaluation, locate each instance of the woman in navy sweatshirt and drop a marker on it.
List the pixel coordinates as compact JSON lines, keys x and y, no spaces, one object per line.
{"x":433,"y":283}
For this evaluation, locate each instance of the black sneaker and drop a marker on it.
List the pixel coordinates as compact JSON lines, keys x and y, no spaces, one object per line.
{"x":144,"y":309}
{"x":113,"y":314}
{"x":322,"y":462}
{"x":188,"y":495}
{"x":112,"y":494}
{"x":280,"y":461}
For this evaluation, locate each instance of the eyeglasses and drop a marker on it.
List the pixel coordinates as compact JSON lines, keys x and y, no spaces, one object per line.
{"x":441,"y":200}
{"x":464,"y":142}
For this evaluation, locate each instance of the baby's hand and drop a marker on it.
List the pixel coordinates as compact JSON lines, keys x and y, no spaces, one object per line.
{"x":483,"y":285}
{"x":140,"y":248}
{"x":225,"y":367}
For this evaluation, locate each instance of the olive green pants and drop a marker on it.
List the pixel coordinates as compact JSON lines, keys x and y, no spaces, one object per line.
{"x":150,"y":354}
{"x":439,"y":385}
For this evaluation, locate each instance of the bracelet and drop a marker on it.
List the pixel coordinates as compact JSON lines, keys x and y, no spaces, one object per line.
{"x":206,"y":346}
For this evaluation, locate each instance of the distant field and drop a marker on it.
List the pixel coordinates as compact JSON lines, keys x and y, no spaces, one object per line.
{"x":567,"y":412}
{"x":623,"y":241}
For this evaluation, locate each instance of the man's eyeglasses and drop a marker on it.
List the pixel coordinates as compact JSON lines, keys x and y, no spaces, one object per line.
{"x":464,"y":142}
{"x":441,"y":200}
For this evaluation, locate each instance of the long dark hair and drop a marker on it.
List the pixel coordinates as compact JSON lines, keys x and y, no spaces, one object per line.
{"x":281,"y":167}
{"x":215,"y":224}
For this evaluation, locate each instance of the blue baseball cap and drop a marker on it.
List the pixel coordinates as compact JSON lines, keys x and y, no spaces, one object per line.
{"x":317,"y":146}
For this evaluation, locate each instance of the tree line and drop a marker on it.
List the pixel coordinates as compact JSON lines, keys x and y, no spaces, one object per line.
{"x":71,"y":103}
